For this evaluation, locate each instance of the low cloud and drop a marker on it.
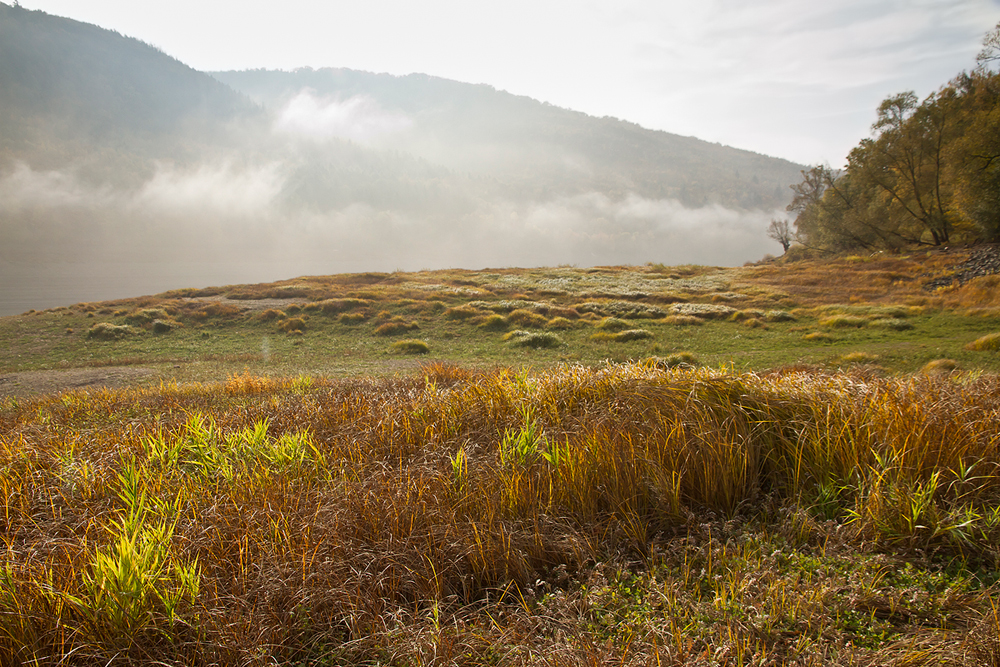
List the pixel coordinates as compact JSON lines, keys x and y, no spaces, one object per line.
{"x":226,"y":224}
{"x":219,"y":189}
{"x":359,"y":118}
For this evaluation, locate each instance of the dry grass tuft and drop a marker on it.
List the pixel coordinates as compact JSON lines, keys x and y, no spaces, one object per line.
{"x":293,"y":325}
{"x":987,"y":343}
{"x":109,"y":331}
{"x":411,"y":346}
{"x":394,"y":328}
{"x":940,"y":367}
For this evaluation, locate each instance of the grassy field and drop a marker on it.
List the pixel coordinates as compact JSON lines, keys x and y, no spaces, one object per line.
{"x":772,"y":465}
{"x":829,"y":315}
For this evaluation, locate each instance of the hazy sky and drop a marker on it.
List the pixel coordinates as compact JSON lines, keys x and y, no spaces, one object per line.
{"x":794,"y":79}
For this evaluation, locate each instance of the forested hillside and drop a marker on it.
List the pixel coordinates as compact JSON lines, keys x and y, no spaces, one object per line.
{"x":534,"y":149}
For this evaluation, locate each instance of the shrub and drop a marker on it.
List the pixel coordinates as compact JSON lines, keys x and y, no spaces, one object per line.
{"x":754,"y":323}
{"x":891,"y":323}
{"x":987,"y":343}
{"x":411,"y":346}
{"x":293,"y":308}
{"x":526,"y":318}
{"x":109,"y":331}
{"x":613,"y":324}
{"x":683,"y":320}
{"x":296,"y":324}
{"x":395,"y":328}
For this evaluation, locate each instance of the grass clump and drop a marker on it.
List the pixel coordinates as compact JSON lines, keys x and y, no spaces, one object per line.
{"x":683,"y":320}
{"x":843,"y":322}
{"x":940,"y":367}
{"x":461,"y":313}
{"x":271,"y":314}
{"x":859,"y":358}
{"x":395,"y":328}
{"x":411,"y":346}
{"x":352,"y":319}
{"x":818,"y":337}
{"x":534,"y":340}
{"x":612,"y":324}
{"x":778,"y":316}
{"x":891,"y":323}
{"x":560,"y":324}
{"x":293,"y":325}
{"x":675,"y":360}
{"x":109,"y":331}
{"x":494,"y":322}
{"x":525,"y":318}
{"x":163,"y":326}
{"x":987,"y":343}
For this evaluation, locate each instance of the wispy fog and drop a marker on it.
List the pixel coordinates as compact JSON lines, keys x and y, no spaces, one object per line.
{"x":359,"y":118}
{"x":225,"y":223}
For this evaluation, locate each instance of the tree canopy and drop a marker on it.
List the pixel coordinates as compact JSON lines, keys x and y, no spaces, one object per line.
{"x":929,"y":174}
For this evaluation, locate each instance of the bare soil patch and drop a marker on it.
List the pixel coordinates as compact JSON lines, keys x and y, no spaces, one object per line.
{"x":29,"y":383}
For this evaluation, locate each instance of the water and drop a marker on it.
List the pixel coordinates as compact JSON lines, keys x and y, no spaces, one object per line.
{"x":25,"y":286}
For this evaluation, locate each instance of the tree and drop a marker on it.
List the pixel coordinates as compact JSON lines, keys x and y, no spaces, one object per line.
{"x":990,"y":52}
{"x":780,"y":232}
{"x":905,"y":165}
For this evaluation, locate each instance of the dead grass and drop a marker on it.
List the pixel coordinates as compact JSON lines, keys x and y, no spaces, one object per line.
{"x":626,"y":514}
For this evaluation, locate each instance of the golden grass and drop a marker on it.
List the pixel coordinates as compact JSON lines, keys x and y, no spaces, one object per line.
{"x":987,"y":343}
{"x":438,"y":517}
{"x":298,"y":519}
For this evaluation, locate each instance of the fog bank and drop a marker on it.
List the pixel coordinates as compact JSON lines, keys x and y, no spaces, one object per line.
{"x":222,"y":223}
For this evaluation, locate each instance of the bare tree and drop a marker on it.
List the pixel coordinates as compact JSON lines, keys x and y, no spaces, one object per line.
{"x":991,"y":49}
{"x":780,"y":232}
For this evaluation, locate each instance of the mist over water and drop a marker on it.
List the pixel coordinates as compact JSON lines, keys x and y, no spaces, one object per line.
{"x":217,"y":224}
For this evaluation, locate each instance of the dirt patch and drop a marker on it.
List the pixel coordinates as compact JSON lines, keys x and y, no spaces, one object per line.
{"x":30,"y":383}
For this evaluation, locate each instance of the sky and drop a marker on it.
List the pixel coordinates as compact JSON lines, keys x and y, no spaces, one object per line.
{"x":792,"y":79}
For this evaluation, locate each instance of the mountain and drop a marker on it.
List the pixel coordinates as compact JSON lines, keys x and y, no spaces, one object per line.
{"x":71,"y":91}
{"x":535,"y":149}
{"x":124,"y":171}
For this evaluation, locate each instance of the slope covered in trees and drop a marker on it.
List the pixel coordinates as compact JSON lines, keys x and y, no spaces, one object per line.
{"x":929,"y":174}
{"x":533,"y":149}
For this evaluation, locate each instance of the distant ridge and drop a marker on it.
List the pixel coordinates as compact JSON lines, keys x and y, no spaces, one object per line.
{"x":123,"y":171}
{"x":538,"y":148}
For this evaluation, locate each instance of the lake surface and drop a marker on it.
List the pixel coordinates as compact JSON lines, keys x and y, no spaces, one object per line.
{"x":25,"y":285}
